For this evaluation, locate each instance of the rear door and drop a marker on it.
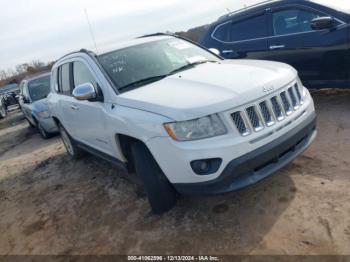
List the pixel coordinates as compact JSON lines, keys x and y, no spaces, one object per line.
{"x":318,"y":55}
{"x":243,"y":37}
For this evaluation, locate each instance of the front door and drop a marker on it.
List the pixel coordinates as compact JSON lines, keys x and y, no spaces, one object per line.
{"x":89,"y":116}
{"x":318,"y":55}
{"x":84,"y":120}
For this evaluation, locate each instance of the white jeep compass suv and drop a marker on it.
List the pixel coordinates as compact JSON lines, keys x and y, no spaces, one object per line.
{"x":181,"y":117}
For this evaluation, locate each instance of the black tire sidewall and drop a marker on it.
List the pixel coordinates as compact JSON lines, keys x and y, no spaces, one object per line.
{"x":76,"y":151}
{"x":161,"y":194}
{"x":42,"y":131}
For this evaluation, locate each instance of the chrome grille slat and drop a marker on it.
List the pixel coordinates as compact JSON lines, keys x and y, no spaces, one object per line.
{"x":293,"y":97}
{"x":286,"y":104}
{"x":277,"y":109}
{"x":297,"y":91}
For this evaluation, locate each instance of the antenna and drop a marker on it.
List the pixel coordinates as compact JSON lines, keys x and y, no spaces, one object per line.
{"x":91,"y":30}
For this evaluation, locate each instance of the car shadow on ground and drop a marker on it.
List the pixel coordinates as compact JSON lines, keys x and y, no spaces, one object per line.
{"x":91,"y":208}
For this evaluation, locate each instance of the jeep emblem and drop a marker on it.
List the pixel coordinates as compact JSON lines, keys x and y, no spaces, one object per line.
{"x":268,"y":89}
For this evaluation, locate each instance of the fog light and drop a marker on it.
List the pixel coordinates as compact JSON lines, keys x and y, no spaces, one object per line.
{"x":206,"y":166}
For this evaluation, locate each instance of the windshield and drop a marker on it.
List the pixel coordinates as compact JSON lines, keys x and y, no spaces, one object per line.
{"x":144,"y":63}
{"x":39,"y":88}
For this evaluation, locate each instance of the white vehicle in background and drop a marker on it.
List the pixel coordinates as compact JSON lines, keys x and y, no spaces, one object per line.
{"x":184,"y":119}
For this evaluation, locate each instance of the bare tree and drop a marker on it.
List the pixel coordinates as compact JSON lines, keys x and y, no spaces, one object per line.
{"x":3,"y":75}
{"x":21,"y":69}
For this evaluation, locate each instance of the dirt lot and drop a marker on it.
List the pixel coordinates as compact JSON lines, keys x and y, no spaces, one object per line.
{"x":51,"y":205}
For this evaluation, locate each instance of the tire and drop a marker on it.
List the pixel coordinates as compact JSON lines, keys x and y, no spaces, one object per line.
{"x":3,"y":111}
{"x":161,"y":194}
{"x":72,"y":149}
{"x":30,"y":123}
{"x":42,"y":131}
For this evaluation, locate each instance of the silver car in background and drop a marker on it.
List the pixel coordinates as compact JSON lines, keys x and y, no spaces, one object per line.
{"x":34,"y":106}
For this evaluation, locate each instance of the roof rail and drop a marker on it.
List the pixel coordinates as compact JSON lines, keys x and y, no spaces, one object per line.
{"x":245,"y":8}
{"x":83,"y":50}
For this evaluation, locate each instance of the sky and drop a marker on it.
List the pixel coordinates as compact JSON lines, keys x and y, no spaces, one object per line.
{"x":47,"y":29}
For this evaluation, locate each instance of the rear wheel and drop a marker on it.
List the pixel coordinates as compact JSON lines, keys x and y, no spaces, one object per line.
{"x":161,"y":194}
{"x":72,"y":149}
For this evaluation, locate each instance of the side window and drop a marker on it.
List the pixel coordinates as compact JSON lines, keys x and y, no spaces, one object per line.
{"x":64,"y":79}
{"x":222,"y":32}
{"x":82,"y":75}
{"x":291,"y":21}
{"x":251,"y":28}
{"x":25,"y":91}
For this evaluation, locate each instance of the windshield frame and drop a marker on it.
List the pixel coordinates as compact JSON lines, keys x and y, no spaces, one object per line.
{"x":118,"y":89}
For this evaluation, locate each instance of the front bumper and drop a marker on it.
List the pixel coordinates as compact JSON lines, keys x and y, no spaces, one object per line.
{"x":258,"y":164}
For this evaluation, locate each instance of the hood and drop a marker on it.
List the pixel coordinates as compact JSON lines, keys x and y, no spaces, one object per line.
{"x":209,"y":88}
{"x":40,"y":105}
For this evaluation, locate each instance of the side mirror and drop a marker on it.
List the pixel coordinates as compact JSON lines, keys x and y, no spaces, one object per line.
{"x":215,"y":51}
{"x":322,"y":23}
{"x":84,"y":92}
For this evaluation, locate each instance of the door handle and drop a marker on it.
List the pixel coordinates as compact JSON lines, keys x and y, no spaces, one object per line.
{"x":74,"y":107}
{"x":227,"y":51}
{"x":275,"y":47}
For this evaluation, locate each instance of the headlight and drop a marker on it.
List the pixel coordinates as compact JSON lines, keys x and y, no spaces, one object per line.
{"x":44,"y":114}
{"x":201,"y":128}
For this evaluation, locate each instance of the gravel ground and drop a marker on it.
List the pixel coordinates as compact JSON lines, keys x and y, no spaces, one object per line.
{"x":51,"y":205}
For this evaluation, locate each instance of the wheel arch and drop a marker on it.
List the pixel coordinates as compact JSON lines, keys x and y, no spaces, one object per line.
{"x":124,"y":145}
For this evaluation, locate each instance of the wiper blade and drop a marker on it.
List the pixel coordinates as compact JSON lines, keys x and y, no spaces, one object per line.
{"x":190,"y":65}
{"x":143,"y":81}
{"x":157,"y":78}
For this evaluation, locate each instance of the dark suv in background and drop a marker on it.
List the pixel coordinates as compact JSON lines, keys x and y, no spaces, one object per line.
{"x":311,"y":37}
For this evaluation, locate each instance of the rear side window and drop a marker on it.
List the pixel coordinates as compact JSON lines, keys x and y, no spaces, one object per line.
{"x":82,"y":74}
{"x":222,"y":32}
{"x":55,"y":79}
{"x":251,"y":28}
{"x":64,"y":79}
{"x":291,"y":21}
{"x":247,"y":29}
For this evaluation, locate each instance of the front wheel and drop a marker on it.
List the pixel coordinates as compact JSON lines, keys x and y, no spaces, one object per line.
{"x":72,"y":149}
{"x":161,"y":194}
{"x":3,"y":112}
{"x":42,"y":131}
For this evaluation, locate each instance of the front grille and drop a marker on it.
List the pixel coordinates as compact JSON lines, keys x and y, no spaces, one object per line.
{"x":265,"y":113}
{"x":240,"y":124}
